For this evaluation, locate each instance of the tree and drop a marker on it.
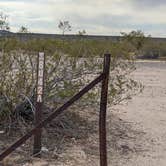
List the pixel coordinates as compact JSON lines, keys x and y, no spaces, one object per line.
{"x":64,"y":26}
{"x":137,"y":39}
{"x":23,"y":29}
{"x":4,"y":25}
{"x":82,"y":33}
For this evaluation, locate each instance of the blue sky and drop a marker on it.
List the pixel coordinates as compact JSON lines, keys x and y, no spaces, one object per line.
{"x":97,"y":17}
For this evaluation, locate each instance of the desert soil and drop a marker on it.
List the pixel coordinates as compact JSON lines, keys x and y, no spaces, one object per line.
{"x":147,"y":113}
{"x":136,"y":129}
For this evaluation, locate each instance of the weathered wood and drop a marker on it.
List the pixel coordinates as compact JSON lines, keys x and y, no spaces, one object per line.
{"x":39,"y":103}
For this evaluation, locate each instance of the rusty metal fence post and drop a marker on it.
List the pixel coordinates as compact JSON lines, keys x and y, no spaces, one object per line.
{"x":103,"y":108}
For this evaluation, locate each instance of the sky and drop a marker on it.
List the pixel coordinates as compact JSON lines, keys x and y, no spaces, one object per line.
{"x":96,"y":17}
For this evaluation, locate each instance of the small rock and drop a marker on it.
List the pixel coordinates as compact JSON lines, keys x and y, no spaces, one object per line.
{"x":2,"y":132}
{"x":44,"y":149}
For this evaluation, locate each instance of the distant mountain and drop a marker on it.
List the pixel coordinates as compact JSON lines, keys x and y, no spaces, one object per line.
{"x":4,"y":32}
{"x":28,"y":36}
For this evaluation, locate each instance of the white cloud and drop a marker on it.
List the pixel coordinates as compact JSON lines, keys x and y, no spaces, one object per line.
{"x":107,"y":17}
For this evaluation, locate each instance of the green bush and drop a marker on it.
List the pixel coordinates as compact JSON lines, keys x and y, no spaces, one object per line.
{"x":65,"y":74}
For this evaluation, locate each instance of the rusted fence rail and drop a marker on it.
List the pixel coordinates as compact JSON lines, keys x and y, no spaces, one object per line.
{"x":103,"y":77}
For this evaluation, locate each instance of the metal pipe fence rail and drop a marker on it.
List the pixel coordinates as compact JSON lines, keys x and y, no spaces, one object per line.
{"x":104,"y":78}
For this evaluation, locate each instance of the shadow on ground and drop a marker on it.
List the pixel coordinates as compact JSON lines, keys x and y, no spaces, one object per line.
{"x":72,"y":139}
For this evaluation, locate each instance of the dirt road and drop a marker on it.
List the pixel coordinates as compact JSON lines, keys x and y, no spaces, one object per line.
{"x":146,"y":113}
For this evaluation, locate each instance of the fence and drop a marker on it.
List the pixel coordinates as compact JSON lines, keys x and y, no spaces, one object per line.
{"x":104,"y":78}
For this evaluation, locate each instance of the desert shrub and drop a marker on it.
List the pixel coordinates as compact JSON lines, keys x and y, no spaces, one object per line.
{"x":70,"y":65}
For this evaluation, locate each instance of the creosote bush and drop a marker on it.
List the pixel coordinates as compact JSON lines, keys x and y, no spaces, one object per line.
{"x":70,"y":65}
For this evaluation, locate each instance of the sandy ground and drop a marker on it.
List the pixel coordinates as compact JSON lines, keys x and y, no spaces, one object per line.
{"x":136,"y":130}
{"x":147,"y":113}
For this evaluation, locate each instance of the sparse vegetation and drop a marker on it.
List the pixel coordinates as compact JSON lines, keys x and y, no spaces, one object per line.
{"x":70,"y":65}
{"x":23,"y":29}
{"x":4,"y":24}
{"x":64,"y":26}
